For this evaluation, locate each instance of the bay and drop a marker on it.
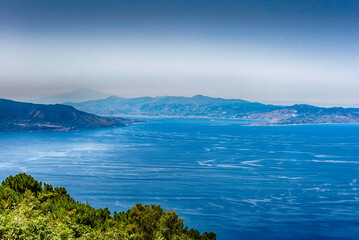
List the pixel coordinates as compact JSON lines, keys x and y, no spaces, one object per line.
{"x":241,"y":182}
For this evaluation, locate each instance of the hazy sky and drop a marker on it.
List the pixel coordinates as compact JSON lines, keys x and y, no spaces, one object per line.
{"x":270,"y":51}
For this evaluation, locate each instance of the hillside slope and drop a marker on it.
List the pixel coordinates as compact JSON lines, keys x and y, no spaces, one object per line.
{"x":32,"y":210}
{"x":19,"y":116}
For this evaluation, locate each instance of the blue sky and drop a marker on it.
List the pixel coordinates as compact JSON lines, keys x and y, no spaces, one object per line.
{"x":269,"y":51}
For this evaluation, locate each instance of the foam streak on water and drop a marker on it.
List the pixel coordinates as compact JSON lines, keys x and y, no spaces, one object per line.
{"x":242,"y":182}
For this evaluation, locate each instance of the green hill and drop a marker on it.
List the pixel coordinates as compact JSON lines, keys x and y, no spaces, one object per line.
{"x":29,"y":117}
{"x":32,"y":210}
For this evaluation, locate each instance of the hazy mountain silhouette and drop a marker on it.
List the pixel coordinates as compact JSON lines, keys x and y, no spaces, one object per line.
{"x":78,"y":95}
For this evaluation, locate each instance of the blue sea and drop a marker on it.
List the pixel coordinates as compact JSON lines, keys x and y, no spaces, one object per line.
{"x":241,"y":182}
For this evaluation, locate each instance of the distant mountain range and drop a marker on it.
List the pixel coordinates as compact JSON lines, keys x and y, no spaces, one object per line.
{"x":25,"y":117}
{"x":78,"y":95}
{"x":206,"y":107}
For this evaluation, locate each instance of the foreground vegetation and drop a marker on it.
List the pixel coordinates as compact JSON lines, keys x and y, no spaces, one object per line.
{"x":32,"y":210}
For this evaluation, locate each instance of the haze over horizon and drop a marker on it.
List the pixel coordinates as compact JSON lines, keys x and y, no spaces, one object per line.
{"x":266,"y":51}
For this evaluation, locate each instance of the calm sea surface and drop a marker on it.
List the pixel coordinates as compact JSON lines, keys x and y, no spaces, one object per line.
{"x":242,"y":182}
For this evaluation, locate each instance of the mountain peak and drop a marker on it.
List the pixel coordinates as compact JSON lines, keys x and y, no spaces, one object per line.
{"x":200,"y":96}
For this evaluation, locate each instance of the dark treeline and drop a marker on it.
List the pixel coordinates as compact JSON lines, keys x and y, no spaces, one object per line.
{"x":32,"y":210}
